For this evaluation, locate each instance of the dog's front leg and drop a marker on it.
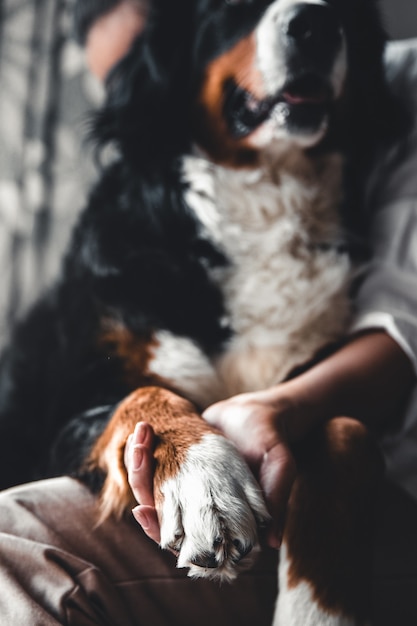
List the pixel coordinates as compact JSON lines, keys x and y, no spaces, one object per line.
{"x":325,"y":561}
{"x":209,"y":506}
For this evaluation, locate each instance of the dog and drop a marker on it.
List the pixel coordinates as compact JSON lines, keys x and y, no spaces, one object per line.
{"x":213,"y":258}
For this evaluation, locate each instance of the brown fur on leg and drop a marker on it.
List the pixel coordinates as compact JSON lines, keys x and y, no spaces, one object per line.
{"x":328,"y":532}
{"x":177,"y":425}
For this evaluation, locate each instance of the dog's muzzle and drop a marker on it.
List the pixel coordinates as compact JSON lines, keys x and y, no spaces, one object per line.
{"x":301,"y":59}
{"x":312,"y":37}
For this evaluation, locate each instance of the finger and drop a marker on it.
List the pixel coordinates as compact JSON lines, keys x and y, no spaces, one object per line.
{"x":140,"y":474}
{"x":213,"y":414}
{"x":147,"y":518}
{"x":224,"y":415}
{"x":277,"y":475}
{"x":143,"y":434}
{"x":140,"y":468}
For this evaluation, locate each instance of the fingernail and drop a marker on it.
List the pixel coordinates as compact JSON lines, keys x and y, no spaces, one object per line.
{"x":137,"y":458}
{"x":139,"y":433}
{"x":141,"y":517}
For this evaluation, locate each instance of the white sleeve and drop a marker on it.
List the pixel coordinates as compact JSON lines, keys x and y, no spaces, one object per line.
{"x":384,"y":321}
{"x":387,"y":295}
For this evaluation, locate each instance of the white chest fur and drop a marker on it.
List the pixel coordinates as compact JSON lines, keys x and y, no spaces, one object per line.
{"x":285,"y":288}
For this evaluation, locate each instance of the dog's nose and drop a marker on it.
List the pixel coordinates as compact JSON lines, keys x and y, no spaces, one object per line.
{"x":312,"y":28}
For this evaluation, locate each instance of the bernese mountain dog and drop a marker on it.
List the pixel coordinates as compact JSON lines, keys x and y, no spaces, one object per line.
{"x":213,"y":258}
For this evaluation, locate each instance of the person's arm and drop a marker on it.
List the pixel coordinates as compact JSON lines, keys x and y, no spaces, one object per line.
{"x":369,"y":378}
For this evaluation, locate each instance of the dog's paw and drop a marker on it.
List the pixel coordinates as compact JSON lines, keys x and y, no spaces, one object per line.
{"x":210,"y":510}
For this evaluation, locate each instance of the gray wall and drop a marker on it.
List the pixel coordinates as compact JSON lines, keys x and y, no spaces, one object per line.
{"x":400,"y":17}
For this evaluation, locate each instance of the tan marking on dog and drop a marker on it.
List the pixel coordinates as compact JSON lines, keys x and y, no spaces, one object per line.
{"x":237,"y":64}
{"x":135,"y":353}
{"x":177,"y":426}
{"x":328,"y":530}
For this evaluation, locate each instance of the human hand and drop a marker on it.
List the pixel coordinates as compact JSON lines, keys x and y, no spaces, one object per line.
{"x":256,"y":423}
{"x":112,"y":34}
{"x":139,"y":463}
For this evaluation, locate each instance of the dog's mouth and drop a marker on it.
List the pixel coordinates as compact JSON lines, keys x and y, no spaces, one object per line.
{"x":301,"y":107}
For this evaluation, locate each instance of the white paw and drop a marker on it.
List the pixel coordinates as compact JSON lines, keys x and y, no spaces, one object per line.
{"x":211,"y":510}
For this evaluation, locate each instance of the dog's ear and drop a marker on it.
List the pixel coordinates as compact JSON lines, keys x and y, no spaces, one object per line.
{"x":148,"y":92}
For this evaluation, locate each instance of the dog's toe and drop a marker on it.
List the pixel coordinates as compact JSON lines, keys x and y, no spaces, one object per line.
{"x":207,"y":559}
{"x":209,"y":514}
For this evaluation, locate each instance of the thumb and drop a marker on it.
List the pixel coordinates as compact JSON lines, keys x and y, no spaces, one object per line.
{"x":146,"y":517}
{"x":214,"y":413}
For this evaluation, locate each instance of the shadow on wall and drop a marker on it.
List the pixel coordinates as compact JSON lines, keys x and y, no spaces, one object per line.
{"x":400,"y":18}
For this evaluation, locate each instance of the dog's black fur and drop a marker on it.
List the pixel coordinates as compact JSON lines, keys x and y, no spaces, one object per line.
{"x":136,"y":254}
